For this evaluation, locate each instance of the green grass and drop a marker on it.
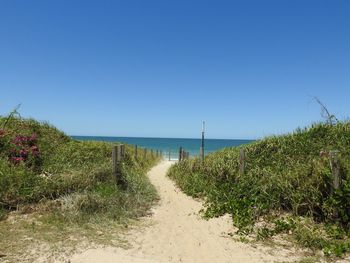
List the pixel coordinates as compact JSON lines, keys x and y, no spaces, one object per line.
{"x":68,"y":185}
{"x":65,"y":166}
{"x":283,"y":174}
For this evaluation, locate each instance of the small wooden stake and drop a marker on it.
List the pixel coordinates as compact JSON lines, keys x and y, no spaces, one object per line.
{"x":335,"y":174}
{"x":335,"y":169}
{"x":180,"y":154}
{"x":122,"y":150}
{"x":242,"y":157}
{"x":117,"y":159}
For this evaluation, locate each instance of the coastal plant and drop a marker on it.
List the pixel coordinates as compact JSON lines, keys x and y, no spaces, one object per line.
{"x":283,"y":174}
{"x":39,"y":164}
{"x":25,"y":149}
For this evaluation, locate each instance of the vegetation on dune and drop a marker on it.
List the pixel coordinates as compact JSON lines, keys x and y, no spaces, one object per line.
{"x":282,"y":174}
{"x":59,"y":193}
{"x":40,"y":163}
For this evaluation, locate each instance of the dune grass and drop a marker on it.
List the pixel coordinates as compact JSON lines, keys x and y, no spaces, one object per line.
{"x":50,"y":182}
{"x":287,"y":183}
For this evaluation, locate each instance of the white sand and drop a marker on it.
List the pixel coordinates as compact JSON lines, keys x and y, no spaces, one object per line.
{"x":178,"y":234}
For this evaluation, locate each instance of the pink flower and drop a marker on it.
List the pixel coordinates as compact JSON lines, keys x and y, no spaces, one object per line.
{"x":17,"y":160}
{"x":23,"y":148}
{"x":35,"y":150}
{"x":23,"y":153}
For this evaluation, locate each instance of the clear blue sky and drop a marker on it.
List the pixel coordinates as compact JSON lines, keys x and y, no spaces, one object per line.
{"x":158,"y":68}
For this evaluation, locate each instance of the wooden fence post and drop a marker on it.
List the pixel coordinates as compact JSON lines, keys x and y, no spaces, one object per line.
{"x":242,"y":157}
{"x":117,"y":159}
{"x":335,"y":169}
{"x":136,"y":152}
{"x":180,"y":154}
{"x":122,"y":150}
{"x":335,"y":173}
{"x":183,"y":154}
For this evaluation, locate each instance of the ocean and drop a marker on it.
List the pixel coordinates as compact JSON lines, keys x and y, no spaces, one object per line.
{"x":171,"y":145}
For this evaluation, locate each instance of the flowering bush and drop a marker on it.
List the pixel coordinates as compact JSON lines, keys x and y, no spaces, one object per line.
{"x":25,"y":149}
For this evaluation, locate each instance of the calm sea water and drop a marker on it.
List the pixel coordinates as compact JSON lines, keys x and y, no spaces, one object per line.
{"x":169,"y":144}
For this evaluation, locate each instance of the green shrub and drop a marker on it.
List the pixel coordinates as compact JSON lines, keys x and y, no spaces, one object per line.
{"x":68,"y":167}
{"x":283,"y":173}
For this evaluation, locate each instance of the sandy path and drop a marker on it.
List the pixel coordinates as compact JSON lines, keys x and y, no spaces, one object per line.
{"x":177,"y":234}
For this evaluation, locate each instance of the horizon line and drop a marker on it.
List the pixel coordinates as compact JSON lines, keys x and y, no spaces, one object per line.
{"x":141,"y":137}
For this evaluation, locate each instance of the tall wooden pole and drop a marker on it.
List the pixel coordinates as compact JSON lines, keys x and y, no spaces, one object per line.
{"x":202,"y":145}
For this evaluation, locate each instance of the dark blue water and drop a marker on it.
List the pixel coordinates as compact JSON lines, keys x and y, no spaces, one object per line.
{"x":170,"y":144}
